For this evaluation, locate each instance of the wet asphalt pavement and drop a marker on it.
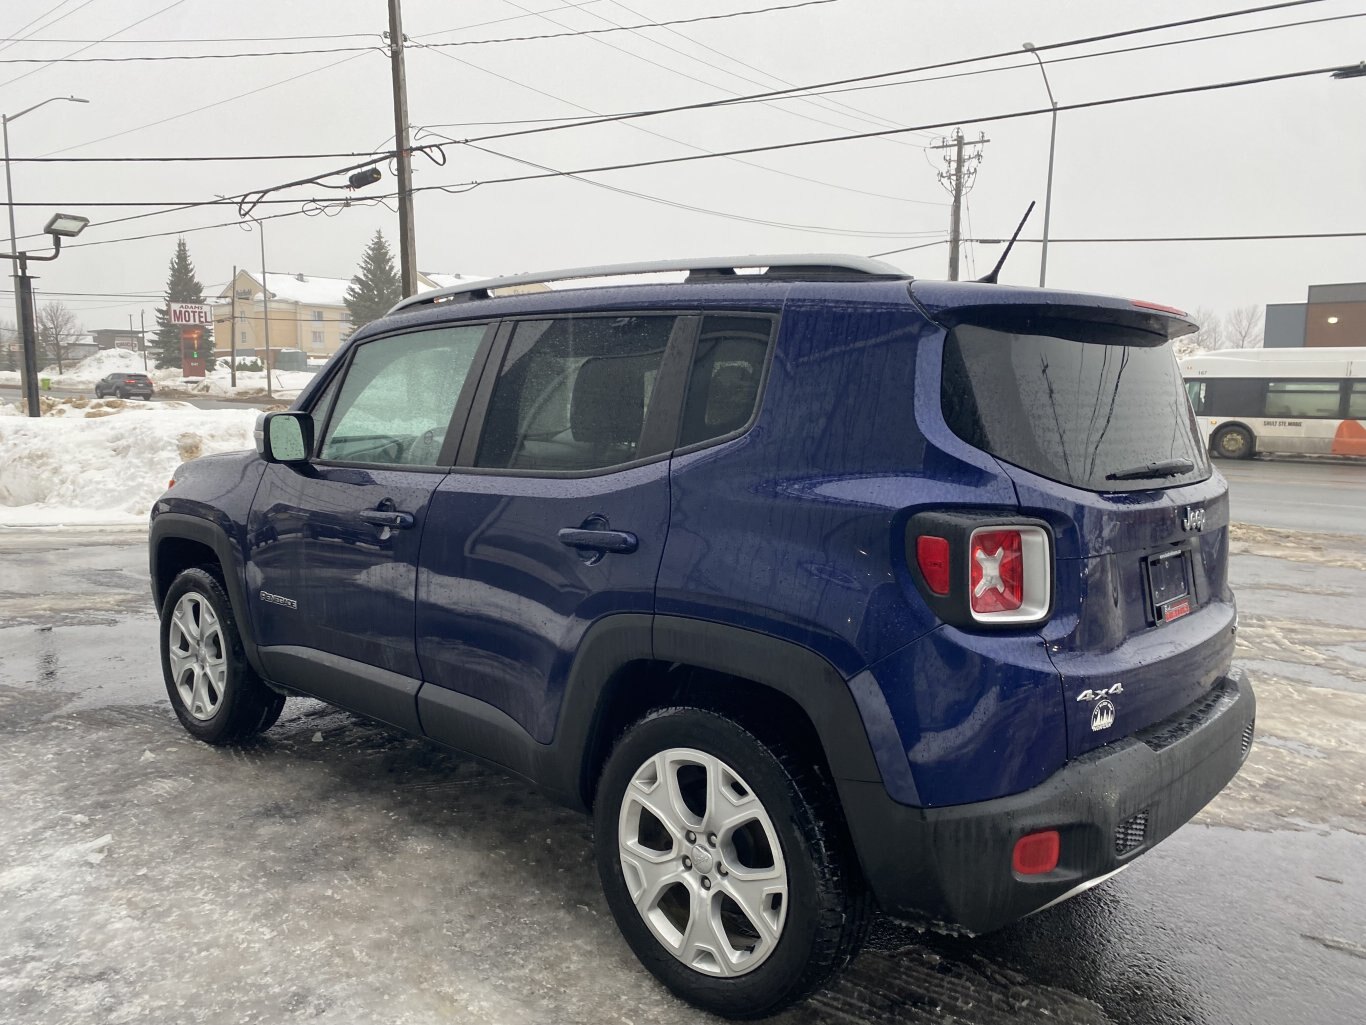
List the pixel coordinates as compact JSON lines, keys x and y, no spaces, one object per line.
{"x":1306,"y":493}
{"x":335,"y":872}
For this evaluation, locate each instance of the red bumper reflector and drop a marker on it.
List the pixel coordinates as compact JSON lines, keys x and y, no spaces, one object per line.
{"x":1036,"y":853}
{"x":932,"y":555}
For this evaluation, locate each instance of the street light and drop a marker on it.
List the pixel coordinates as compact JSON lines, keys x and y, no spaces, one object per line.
{"x":1052,"y":143}
{"x":59,"y":226}
{"x":22,"y":312}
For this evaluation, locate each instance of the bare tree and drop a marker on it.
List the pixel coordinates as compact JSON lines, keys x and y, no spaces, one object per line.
{"x":1211,"y":333}
{"x":58,"y":330}
{"x":1242,"y":328}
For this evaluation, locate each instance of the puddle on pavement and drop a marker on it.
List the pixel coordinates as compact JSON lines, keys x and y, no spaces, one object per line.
{"x":91,"y":666}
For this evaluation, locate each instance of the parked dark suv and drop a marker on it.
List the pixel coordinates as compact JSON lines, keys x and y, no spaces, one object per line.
{"x":822,"y":588}
{"x":125,"y":386}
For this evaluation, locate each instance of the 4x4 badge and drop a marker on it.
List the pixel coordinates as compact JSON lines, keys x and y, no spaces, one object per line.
{"x":1103,"y":711}
{"x":1194,"y":519}
{"x":1092,"y":695}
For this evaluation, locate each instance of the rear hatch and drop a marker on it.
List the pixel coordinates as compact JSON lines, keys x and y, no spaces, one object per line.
{"x":1085,"y":410}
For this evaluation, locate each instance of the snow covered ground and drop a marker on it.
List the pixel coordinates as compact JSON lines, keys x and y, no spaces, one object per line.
{"x":104,"y":461}
{"x":286,"y":384}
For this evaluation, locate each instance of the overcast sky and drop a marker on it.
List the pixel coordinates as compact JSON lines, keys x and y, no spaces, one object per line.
{"x":1283,"y":157}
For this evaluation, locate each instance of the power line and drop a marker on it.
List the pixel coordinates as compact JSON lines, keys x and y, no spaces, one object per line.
{"x":618,"y":28}
{"x":50,"y":10}
{"x":198,"y":159}
{"x":795,"y":90}
{"x":343,"y":155}
{"x":197,"y":39}
{"x":459,"y":187}
{"x":185,"y":231}
{"x":600,"y":119}
{"x":157,"y":58}
{"x":615,"y":26}
{"x":801,"y":143}
{"x":815,"y":229}
{"x":1088,"y":56}
{"x":832,"y":105}
{"x":806,"y":89}
{"x":200,"y":110}
{"x":49,"y":63}
{"x":706,"y":154}
{"x":813,"y":90}
{"x":1113,"y":240}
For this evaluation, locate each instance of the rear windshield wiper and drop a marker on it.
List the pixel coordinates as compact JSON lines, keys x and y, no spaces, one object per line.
{"x":1164,"y":468}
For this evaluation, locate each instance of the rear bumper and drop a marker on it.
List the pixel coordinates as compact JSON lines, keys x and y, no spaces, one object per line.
{"x":952,"y":866}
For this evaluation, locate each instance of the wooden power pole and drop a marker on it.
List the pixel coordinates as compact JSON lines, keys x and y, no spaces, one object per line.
{"x":957,"y":178}
{"x":407,"y":242}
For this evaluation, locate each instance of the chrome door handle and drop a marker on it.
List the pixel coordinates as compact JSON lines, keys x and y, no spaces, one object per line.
{"x":388,"y":518}
{"x":619,"y":541}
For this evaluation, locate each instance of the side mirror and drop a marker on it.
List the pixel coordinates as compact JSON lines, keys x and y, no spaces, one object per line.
{"x":285,"y":437}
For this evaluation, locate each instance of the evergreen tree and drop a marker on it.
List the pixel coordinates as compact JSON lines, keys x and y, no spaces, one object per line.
{"x":376,"y":288}
{"x":181,"y":287}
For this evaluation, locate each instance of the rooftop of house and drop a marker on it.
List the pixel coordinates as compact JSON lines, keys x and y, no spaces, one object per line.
{"x":313,"y":290}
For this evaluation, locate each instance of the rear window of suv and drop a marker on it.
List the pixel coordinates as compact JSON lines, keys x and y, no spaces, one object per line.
{"x":1080,"y":404}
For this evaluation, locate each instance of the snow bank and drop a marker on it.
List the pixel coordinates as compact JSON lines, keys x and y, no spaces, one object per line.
{"x":285,"y":384}
{"x":82,"y":376}
{"x":105,"y":462}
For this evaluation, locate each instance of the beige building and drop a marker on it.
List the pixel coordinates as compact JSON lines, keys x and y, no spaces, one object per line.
{"x":307,"y":312}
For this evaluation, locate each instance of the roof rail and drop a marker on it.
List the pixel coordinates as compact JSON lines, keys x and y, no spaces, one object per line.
{"x":805,"y":266}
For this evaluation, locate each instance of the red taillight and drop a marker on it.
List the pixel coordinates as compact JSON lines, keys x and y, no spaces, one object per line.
{"x":932,"y":555}
{"x":1143,"y":304}
{"x":996,"y":571}
{"x":1010,"y":574}
{"x":1036,"y":853}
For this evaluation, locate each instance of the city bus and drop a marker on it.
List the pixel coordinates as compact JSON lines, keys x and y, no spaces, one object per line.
{"x":1279,"y":400}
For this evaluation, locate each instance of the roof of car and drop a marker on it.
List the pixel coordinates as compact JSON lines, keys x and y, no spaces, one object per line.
{"x":758,"y":282}
{"x":806,"y":266}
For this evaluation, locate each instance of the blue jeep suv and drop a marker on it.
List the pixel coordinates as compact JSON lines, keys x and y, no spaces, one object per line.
{"x":822,"y":588}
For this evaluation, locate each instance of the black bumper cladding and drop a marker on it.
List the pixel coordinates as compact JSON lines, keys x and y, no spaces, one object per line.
{"x":952,"y":866}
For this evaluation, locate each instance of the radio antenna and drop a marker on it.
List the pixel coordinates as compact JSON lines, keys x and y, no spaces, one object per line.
{"x":990,"y":279}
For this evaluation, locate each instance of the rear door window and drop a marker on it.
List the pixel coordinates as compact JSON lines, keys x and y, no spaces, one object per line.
{"x":1079,"y":404}
{"x":573,"y":393}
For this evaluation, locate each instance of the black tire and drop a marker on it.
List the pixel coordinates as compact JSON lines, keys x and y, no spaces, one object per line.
{"x":827,"y":906}
{"x":99,"y":392}
{"x":245,"y":705}
{"x":1233,"y":442}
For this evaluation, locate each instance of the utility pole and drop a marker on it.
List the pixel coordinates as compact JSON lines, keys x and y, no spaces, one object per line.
{"x":960,"y":172}
{"x":142,"y":336}
{"x":232,"y":329}
{"x":407,"y":242}
{"x":23,"y":297}
{"x":265,"y":305}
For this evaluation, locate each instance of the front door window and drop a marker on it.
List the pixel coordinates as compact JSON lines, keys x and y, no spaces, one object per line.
{"x":396,"y":403}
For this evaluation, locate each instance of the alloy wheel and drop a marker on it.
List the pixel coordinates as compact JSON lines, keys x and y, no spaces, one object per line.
{"x":198,"y":655}
{"x":702,"y":862}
